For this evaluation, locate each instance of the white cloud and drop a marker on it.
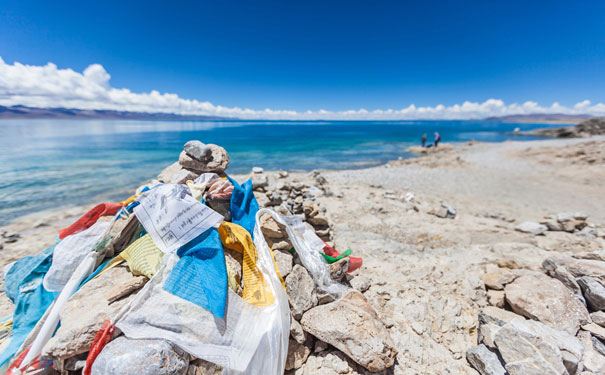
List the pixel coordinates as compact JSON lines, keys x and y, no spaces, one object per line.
{"x":48,"y":86}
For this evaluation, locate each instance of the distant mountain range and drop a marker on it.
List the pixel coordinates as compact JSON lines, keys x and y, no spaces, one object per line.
{"x":556,"y":118}
{"x":22,"y":112}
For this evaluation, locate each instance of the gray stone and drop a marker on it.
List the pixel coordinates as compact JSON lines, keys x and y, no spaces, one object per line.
{"x":498,"y":278}
{"x":176,"y":174}
{"x":578,"y":267}
{"x":564,"y":217}
{"x":527,"y":353}
{"x":594,"y":292}
{"x":495,"y":298}
{"x":259,"y":180}
{"x":124,"y":356}
{"x":84,"y":313}
{"x":218,"y":161}
{"x":284,"y":262}
{"x":593,"y":360}
{"x":361,"y":283}
{"x":546,"y":299}
{"x":487,"y":334}
{"x":351,"y":325}
{"x":484,"y":361}
{"x":596,"y":330}
{"x":598,"y":317}
{"x":297,"y":332}
{"x":497,"y":316}
{"x":552,"y":225}
{"x":198,"y":150}
{"x":298,"y":354}
{"x":531,"y":227}
{"x":301,"y":291}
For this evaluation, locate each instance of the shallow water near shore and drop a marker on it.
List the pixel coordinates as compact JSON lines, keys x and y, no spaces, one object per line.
{"x":50,"y":163}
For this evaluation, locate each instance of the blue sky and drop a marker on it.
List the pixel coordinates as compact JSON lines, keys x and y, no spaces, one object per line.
{"x":331,"y":55}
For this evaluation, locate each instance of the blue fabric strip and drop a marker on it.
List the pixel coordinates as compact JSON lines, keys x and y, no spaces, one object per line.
{"x":243,"y":205}
{"x":200,"y":276}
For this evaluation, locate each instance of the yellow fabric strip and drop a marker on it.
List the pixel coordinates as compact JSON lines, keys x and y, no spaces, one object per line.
{"x":256,"y":289}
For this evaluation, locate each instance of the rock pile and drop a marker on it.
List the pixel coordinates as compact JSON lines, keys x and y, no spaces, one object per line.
{"x":327,"y":336}
{"x":550,"y":322}
{"x":562,"y":222}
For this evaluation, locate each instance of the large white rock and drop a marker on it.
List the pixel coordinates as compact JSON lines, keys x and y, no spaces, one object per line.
{"x":351,"y":325}
{"x":539,"y":297}
{"x":526,"y":353}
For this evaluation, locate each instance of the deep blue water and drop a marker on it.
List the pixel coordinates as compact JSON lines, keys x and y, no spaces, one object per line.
{"x":49,"y":163}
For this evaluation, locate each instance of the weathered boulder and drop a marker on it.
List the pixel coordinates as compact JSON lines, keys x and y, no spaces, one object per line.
{"x":85,"y":311}
{"x":124,"y":356}
{"x":484,"y":361}
{"x":176,"y":174}
{"x":351,"y":325}
{"x":594,"y":292}
{"x":498,"y":278}
{"x":217,"y":161}
{"x":531,"y":227}
{"x":542,"y":298}
{"x":528,"y":353}
{"x":301,"y":291}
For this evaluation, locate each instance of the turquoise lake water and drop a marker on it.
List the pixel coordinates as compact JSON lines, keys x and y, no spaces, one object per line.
{"x":50,"y":163}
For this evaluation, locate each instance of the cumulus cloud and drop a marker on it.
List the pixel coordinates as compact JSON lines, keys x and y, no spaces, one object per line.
{"x":49,"y":86}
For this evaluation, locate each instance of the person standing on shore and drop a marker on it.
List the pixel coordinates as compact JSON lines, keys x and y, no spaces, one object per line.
{"x":423,"y":140}
{"x":437,"y":138}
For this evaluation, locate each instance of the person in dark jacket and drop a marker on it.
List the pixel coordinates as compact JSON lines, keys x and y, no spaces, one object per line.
{"x":423,"y":140}
{"x":437,"y":138}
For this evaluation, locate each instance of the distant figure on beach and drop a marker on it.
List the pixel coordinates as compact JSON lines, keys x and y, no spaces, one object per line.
{"x":437,"y":138}
{"x":423,"y":140}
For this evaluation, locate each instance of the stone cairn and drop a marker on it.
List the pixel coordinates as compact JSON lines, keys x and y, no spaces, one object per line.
{"x":327,"y":336}
{"x":550,"y":321}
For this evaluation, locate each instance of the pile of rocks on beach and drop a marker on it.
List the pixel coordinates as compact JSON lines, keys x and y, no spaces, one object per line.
{"x":550,"y":321}
{"x":327,"y":336}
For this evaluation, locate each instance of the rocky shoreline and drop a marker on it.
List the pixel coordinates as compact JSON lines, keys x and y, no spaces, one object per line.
{"x":447,"y":268}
